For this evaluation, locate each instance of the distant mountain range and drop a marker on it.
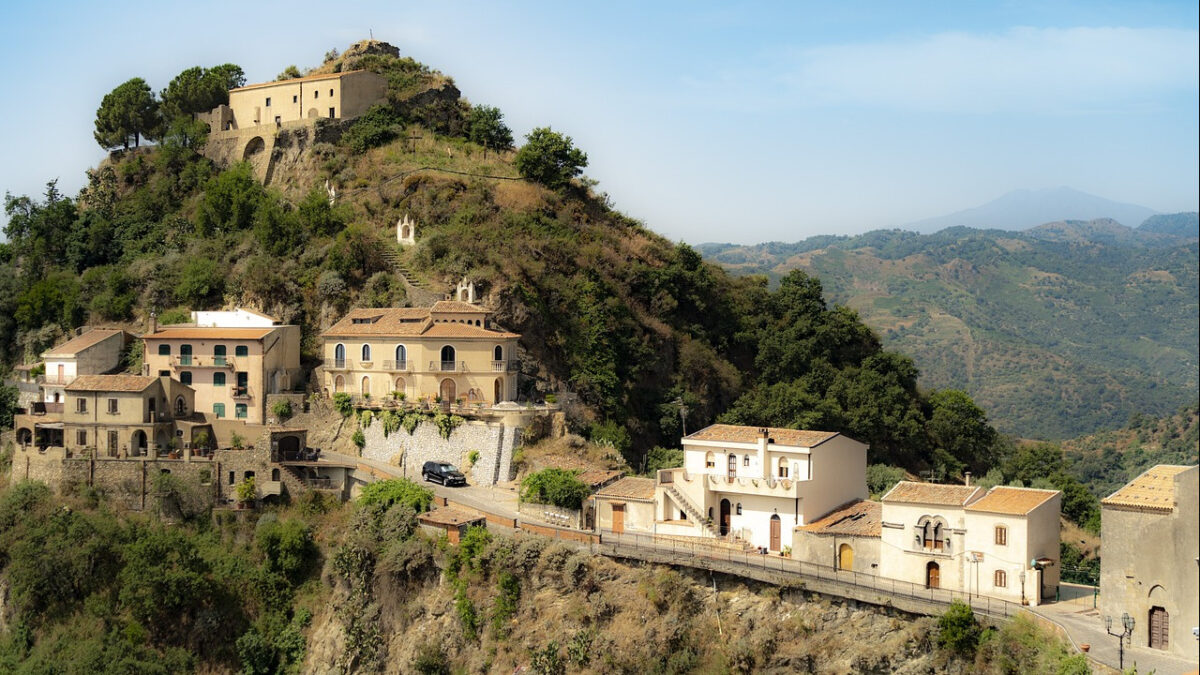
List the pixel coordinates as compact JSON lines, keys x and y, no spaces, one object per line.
{"x":1060,"y":330}
{"x":1023,"y":209}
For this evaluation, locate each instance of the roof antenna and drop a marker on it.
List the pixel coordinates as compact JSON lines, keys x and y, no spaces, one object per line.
{"x":372,"y":34}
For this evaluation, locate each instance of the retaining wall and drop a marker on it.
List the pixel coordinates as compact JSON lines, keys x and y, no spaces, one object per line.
{"x":494,"y":441}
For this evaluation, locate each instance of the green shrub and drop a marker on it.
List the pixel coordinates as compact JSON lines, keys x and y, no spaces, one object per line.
{"x":559,"y":487}
{"x":359,"y":439}
{"x":343,"y":404}
{"x":663,"y":458}
{"x":380,"y":125}
{"x":957,"y":629}
{"x":473,"y":457}
{"x":611,"y":434}
{"x":506,"y":604}
{"x":282,"y":409}
{"x":446,"y":424}
{"x":246,"y":491}
{"x":466,"y":612}
{"x":881,"y":478}
{"x":397,"y":491}
{"x":364,"y":419}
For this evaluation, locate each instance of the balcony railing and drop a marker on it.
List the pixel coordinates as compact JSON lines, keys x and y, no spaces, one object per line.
{"x":337,"y":364}
{"x":242,"y":393}
{"x":447,"y":366}
{"x":396,"y":366}
{"x":192,"y":361}
{"x":510,"y":366}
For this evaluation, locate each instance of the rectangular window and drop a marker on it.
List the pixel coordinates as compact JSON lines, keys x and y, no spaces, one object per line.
{"x":164,"y":373}
{"x":710,"y":464}
{"x":240,"y":411}
{"x":241,"y":350}
{"x":1001,"y":580}
{"x":316,"y":93}
{"x":81,"y":405}
{"x":185,"y":378}
{"x":1001,"y":535}
{"x":218,"y":379}
{"x":268,"y":101}
{"x":232,"y":477}
{"x":331,"y":92}
{"x":331,"y":115}
{"x":164,"y":350}
{"x":219,"y":410}
{"x":295,"y":99}
{"x":277,"y":120}
{"x":81,"y":438}
{"x":783,"y":471}
{"x":113,"y":443}
{"x":112,"y":406}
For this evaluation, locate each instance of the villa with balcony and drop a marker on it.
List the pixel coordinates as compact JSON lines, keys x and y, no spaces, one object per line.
{"x":449,"y":352}
{"x":232,"y":368}
{"x":756,"y":485}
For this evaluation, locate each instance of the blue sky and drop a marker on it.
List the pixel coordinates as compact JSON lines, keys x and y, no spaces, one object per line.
{"x":737,"y":122}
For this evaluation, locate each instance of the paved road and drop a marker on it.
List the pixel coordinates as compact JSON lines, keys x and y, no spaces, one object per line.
{"x":1086,"y":625}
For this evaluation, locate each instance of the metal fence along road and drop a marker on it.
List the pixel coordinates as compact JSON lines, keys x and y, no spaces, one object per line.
{"x":787,"y":571}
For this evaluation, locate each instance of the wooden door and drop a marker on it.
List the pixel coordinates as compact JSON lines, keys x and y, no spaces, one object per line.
{"x":845,"y":557}
{"x":725,"y":517}
{"x":1159,"y":628}
{"x":933,"y":576}
{"x":776,"y":532}
{"x":618,"y":518}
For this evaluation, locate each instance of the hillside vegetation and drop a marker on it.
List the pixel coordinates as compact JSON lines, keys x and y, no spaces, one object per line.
{"x":1057,"y":331}
{"x":628,"y":327}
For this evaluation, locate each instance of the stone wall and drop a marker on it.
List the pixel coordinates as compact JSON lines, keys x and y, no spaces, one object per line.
{"x":494,"y":441}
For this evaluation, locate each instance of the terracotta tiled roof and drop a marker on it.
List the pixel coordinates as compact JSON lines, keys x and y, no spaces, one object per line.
{"x":448,"y":516}
{"x":307,"y":78}
{"x":629,"y":488}
{"x":1154,"y":490}
{"x":405,"y":321}
{"x":860,"y":518}
{"x":456,"y":307}
{"x":208,"y":333}
{"x":907,"y":492}
{"x":125,"y":383}
{"x":730,"y":433}
{"x":599,"y":478}
{"x":1011,"y":500}
{"x":88,"y":339}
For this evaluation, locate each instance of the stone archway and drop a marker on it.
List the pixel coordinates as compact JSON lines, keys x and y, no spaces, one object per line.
{"x":24,"y":436}
{"x":138,"y":443}
{"x":312,"y":112}
{"x":339,"y":384}
{"x":253,"y":147}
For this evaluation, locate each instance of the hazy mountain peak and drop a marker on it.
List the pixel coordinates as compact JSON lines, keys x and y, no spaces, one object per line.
{"x":1026,"y":208}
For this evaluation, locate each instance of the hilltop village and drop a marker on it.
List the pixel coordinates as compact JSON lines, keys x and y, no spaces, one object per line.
{"x":438,"y":382}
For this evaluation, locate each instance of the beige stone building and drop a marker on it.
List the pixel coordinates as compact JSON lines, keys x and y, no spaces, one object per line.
{"x":846,"y":539}
{"x":111,"y":416}
{"x":756,"y":485}
{"x":231,"y":369}
{"x":332,"y":96}
{"x":1148,"y":564}
{"x":449,"y":350}
{"x":1002,"y":542}
{"x":625,"y":506}
{"x":94,"y":352}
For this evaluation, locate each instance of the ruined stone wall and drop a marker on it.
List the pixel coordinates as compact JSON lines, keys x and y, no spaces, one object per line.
{"x":494,"y":441}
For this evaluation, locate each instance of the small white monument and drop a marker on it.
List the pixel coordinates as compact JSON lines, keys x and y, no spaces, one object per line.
{"x":406,"y":231}
{"x":465,"y":291}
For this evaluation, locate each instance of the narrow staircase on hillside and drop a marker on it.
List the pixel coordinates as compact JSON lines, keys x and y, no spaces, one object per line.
{"x":419,"y":291}
{"x":692,"y":510}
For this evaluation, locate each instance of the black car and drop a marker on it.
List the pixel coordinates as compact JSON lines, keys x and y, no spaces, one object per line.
{"x":441,"y":472}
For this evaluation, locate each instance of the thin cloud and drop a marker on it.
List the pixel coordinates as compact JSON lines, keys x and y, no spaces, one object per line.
{"x":1046,"y":70}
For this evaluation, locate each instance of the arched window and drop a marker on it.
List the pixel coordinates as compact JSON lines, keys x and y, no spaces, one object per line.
{"x":732,"y":466}
{"x":745,"y":460}
{"x":448,"y":358}
{"x":783,"y":467}
{"x":366,"y":352}
{"x":339,"y":356}
{"x":1001,"y":579}
{"x":180,"y":407}
{"x":185,"y":355}
{"x":498,"y":353}
{"x":710,"y":461}
{"x":365,"y":390}
{"x":241,"y":350}
{"x":218,"y":379}
{"x":401,"y":357}
{"x":339,"y":384}
{"x":219,"y":355}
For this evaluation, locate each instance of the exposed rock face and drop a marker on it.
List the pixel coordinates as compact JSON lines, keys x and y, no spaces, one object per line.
{"x":364,"y":47}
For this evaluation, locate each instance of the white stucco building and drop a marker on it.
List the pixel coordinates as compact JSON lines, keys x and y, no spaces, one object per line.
{"x":1002,"y":542}
{"x":756,"y":485}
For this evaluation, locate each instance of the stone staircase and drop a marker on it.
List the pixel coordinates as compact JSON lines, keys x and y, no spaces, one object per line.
{"x":419,"y":291}
{"x":692,"y":510}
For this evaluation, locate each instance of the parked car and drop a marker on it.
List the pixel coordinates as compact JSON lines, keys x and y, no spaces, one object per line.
{"x":441,"y":472}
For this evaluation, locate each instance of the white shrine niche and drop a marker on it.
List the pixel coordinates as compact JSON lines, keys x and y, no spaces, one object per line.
{"x":406,"y":231}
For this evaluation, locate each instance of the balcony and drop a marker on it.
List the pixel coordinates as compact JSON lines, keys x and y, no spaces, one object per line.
{"x":338,"y":364}
{"x":755,"y":485}
{"x":191,"y":361}
{"x":242,"y":394}
{"x":447,"y":366}
{"x":505,"y":366}
{"x":397,"y":366}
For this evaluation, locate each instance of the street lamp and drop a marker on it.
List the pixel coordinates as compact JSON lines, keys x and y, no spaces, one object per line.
{"x":1127,"y":626}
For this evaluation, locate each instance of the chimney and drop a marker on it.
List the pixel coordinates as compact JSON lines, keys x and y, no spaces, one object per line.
{"x":153,"y":322}
{"x":764,"y":437}
{"x":967,"y":478}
